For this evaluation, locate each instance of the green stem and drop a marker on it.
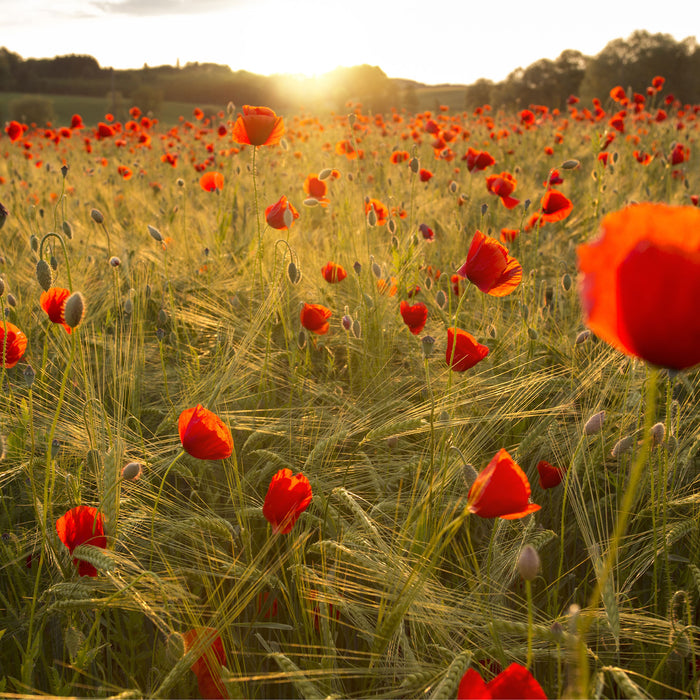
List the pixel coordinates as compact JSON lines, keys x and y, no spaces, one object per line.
{"x":160,"y":491}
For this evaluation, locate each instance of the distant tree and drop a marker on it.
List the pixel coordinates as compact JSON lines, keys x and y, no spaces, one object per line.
{"x":37,"y":110}
{"x":409,"y":98}
{"x":478,"y":94}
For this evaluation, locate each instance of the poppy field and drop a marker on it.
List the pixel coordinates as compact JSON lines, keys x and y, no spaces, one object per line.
{"x":352,"y":405}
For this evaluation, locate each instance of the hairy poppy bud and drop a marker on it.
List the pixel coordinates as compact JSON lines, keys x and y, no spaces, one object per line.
{"x":11,"y":300}
{"x":67,"y":230}
{"x":658,"y":433}
{"x":391,"y":228}
{"x":34,"y":243}
{"x":325,"y":173}
{"x":155,"y":234}
{"x":376,"y":270}
{"x":29,"y":375}
{"x":3,"y":215}
{"x":114,"y":261}
{"x":594,"y":424}
{"x":132,"y":471}
{"x":293,"y":273}
{"x":582,"y":337}
{"x":97,"y":216}
{"x":2,"y":286}
{"x":528,"y":562}
{"x":441,"y":299}
{"x":356,"y":328}
{"x":357,"y":266}
{"x":566,"y":282}
{"x":346,"y":322}
{"x":74,"y":310}
{"x":414,"y":165}
{"x":570,"y":164}
{"x":43,"y":275}
{"x":372,"y":217}
{"x":128,"y":306}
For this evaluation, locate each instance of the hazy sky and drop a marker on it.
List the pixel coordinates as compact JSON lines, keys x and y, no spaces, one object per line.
{"x":454,"y":41}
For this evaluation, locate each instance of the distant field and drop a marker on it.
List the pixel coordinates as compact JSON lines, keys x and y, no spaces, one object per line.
{"x":92,"y":109}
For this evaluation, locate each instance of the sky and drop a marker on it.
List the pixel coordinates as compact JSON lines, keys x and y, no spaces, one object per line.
{"x":453,"y":41}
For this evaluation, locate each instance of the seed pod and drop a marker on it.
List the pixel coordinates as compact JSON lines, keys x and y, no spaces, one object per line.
{"x":155,"y":233}
{"x":427,"y":345}
{"x":114,"y":261}
{"x":97,"y":216}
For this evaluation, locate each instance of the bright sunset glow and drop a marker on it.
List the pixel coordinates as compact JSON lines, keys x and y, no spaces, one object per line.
{"x":458,"y":42}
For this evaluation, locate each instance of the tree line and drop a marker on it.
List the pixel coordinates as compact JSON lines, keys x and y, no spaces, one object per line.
{"x":630,"y":62}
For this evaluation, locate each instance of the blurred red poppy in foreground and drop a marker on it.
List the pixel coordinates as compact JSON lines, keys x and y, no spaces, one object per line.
{"x":53,"y":301}
{"x":501,"y":490}
{"x":332,"y":272}
{"x":555,"y":206}
{"x":414,"y":316}
{"x":314,"y":317}
{"x":641,"y":283}
{"x":207,"y":667}
{"x":550,"y":476}
{"x":203,"y":434}
{"x":14,"y":130}
{"x":287,"y":498}
{"x":478,"y":160}
{"x":515,"y":682}
{"x":276,"y":215}
{"x":210,"y":182}
{"x":463,"y":350}
{"x":82,"y":525}
{"x":489,"y":266}
{"x":14,"y":347}
{"x":258,"y":126}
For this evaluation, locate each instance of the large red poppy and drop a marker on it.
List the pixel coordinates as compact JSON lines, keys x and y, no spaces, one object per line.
{"x":15,"y":345}
{"x":515,"y":682}
{"x":287,"y":498}
{"x":414,"y":316}
{"x":275,"y":213}
{"x":53,"y":301}
{"x":314,"y":317}
{"x":203,"y":434}
{"x":463,"y":350}
{"x":501,"y":490}
{"x":82,"y":525}
{"x":210,"y":182}
{"x":207,"y":667}
{"x":258,"y":126}
{"x":490,"y":267}
{"x":641,"y":283}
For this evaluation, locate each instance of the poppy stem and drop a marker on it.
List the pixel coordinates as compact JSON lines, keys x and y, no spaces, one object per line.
{"x":65,"y":254}
{"x":259,"y":252}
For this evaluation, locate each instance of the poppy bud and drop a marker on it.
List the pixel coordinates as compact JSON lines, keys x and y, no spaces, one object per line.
{"x":301,"y":339}
{"x":391,"y":227}
{"x":11,"y":300}
{"x":658,"y":433}
{"x":528,"y":562}
{"x":67,"y":230}
{"x":293,"y":273}
{"x":594,"y":424}
{"x":43,"y":275}
{"x":571,"y":164}
{"x":414,"y":164}
{"x":622,"y":445}
{"x":524,"y":311}
{"x":180,"y":182}
{"x":3,"y":215}
{"x":97,"y":216}
{"x":160,"y":334}
{"x":357,"y":266}
{"x":74,"y":310}
{"x":582,"y":337}
{"x":325,"y":173}
{"x":34,"y":243}
{"x":346,"y":322}
{"x":566,"y":282}
{"x":452,"y":187}
{"x":132,"y":471}
{"x":376,"y":270}
{"x":427,"y":345}
{"x":441,"y":299}
{"x":532,"y":333}
{"x":55,"y":447}
{"x":162,"y":317}
{"x":155,"y":234}
{"x":2,"y":286}
{"x":114,"y":261}
{"x":372,"y":217}
{"x":526,"y":204}
{"x":308,"y":202}
{"x":356,"y":329}
{"x":484,"y":209}
{"x":29,"y":375}
{"x":394,"y":241}
{"x":128,"y":306}
{"x":392,"y":441}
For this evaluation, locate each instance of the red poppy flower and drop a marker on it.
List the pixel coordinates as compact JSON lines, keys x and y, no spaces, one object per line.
{"x":53,"y":301}
{"x":275,"y":214}
{"x":332,"y":272}
{"x":527,"y":117}
{"x":287,"y":498}
{"x":124,"y":171}
{"x":82,"y":525}
{"x":424,"y":175}
{"x":317,"y":189}
{"x":314,"y":317}
{"x":550,"y":476}
{"x":463,"y":350}
{"x":104,"y":131}
{"x":76,"y":122}
{"x":642,"y":281}
{"x":555,"y":206}
{"x":515,"y":682}
{"x":14,"y":130}
{"x":478,"y":160}
{"x":508,"y":235}
{"x":642,"y":157}
{"x":501,"y":490}
{"x":345,"y":148}
{"x":203,"y":434}
{"x":414,"y":316}
{"x":258,"y":126}
{"x":380,"y":209}
{"x":207,"y":667}
{"x":14,"y":347}
{"x":399,"y":157}
{"x":502,"y":185}
{"x":679,"y":154}
{"x":490,"y":267}
{"x":426,"y":232}
{"x":210,"y":182}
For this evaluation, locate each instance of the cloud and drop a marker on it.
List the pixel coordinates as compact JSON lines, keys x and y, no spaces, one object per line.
{"x":155,"y":8}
